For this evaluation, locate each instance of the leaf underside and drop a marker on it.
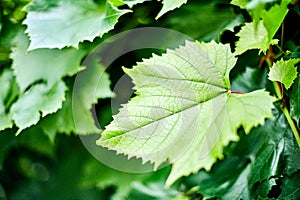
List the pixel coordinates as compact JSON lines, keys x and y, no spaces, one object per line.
{"x":183,"y":112}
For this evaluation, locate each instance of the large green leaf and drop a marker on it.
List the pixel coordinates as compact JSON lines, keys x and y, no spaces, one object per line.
{"x":184,"y":111}
{"x":75,"y":115}
{"x":67,"y":23}
{"x":284,"y":71}
{"x":48,"y":65}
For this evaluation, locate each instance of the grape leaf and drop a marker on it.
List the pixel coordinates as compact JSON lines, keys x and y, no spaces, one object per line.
{"x":253,"y":38}
{"x":169,"y":5}
{"x":75,"y":115}
{"x":38,"y":101}
{"x":284,"y":71}
{"x":69,"y":22}
{"x":48,"y":65}
{"x":183,"y":111}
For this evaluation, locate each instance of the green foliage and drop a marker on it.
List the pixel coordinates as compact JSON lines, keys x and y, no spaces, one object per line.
{"x":76,"y":108}
{"x":66,"y":23}
{"x":223,"y":112}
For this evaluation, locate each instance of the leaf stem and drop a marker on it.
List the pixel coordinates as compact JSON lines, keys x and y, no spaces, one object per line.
{"x":292,"y":124}
{"x":279,"y":93}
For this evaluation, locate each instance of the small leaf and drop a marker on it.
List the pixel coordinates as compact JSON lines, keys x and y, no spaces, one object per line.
{"x":253,"y":38}
{"x":48,"y":65}
{"x":67,"y":23}
{"x":169,"y":5}
{"x":38,"y":101}
{"x":284,"y":71}
{"x":182,"y":112}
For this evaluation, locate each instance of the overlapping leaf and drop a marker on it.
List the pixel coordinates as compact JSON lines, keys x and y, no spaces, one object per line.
{"x":47,"y":65}
{"x":183,"y":111}
{"x":67,"y":23}
{"x":253,"y":38}
{"x":39,"y":74}
{"x":260,"y":34}
{"x":39,"y":100}
{"x":76,"y":116}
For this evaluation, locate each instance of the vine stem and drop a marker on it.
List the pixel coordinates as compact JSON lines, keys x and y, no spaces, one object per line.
{"x":292,"y":124}
{"x":279,"y":94}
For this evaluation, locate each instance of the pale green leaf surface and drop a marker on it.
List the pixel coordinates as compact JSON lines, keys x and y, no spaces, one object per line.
{"x":69,"y":23}
{"x":48,"y":65}
{"x":284,"y":71}
{"x":169,"y":5}
{"x":253,"y":38}
{"x":38,"y":101}
{"x":75,"y":115}
{"x":182,"y":112}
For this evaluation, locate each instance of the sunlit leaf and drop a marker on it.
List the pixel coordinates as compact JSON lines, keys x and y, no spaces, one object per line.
{"x":183,"y":111}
